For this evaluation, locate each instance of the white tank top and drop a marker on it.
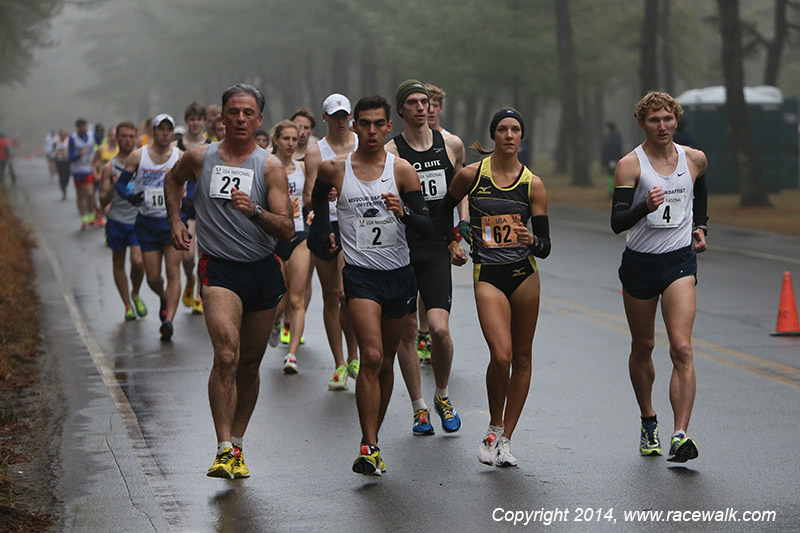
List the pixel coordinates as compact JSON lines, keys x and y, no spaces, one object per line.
{"x":297,"y":180}
{"x":371,"y":235}
{"x":326,"y":152}
{"x":669,"y":227}
{"x":150,"y":180}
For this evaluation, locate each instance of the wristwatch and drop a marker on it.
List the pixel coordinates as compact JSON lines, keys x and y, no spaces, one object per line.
{"x":257,"y":213}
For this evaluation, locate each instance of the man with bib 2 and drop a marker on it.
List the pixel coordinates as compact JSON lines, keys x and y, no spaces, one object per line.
{"x":660,"y":195}
{"x":148,"y":166}
{"x":503,"y":195}
{"x":379,"y":283}
{"x":242,"y":207}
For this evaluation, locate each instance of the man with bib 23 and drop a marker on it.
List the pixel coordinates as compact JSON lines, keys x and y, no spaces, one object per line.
{"x":242,"y":207}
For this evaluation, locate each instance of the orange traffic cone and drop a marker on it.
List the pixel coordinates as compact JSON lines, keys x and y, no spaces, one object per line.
{"x":788,"y":323}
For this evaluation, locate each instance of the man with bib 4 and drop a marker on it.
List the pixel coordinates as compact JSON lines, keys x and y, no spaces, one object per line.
{"x":242,"y":208}
{"x":660,"y":196}
{"x":379,"y":283}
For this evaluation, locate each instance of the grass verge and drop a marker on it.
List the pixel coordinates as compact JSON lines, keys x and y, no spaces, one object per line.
{"x":19,"y":349}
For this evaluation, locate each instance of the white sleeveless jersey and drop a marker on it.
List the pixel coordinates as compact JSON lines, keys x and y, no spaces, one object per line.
{"x":326,"y":152}
{"x":371,"y":236}
{"x":297,"y":180}
{"x":150,"y":180}
{"x":669,"y":227}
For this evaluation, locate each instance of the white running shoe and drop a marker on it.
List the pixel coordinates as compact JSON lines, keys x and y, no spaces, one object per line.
{"x":275,"y":336}
{"x":487,"y":451}
{"x":504,"y":457}
{"x":290,"y":364}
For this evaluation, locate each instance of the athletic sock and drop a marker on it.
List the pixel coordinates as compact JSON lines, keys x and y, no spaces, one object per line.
{"x":237,"y":441}
{"x":496,"y":430}
{"x":441,"y":392}
{"x":416,"y":405}
{"x":649,"y":421}
{"x":222,"y":445}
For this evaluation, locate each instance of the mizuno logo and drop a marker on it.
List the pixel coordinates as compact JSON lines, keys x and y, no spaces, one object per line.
{"x":485,"y":190}
{"x":518,"y":272}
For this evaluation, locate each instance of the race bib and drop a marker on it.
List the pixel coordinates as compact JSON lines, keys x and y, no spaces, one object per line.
{"x":373,"y":233}
{"x":498,"y":231}
{"x":670,"y":214}
{"x":225,"y":179}
{"x":154,"y":198}
{"x":433,"y":184}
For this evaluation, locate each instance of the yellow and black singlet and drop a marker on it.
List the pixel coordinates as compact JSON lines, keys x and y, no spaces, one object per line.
{"x":493,"y":212}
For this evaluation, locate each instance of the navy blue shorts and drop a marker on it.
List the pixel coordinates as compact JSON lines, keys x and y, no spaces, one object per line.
{"x":119,"y":236}
{"x":154,"y":233}
{"x":258,"y":284}
{"x":645,"y":276}
{"x":395,"y":290}
{"x":434,"y":279}
{"x":284,"y":249}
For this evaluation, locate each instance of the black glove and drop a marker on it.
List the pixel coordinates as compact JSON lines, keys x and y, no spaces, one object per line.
{"x":137,"y":199}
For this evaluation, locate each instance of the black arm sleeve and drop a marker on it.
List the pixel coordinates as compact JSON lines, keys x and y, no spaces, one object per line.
{"x":419,"y":219}
{"x":623,"y":215}
{"x":444,"y":218}
{"x":541,"y":236}
{"x":700,"y":209}
{"x":319,"y":233}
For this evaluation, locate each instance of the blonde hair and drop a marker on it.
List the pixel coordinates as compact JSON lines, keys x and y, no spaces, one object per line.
{"x":435,"y":93}
{"x":278,"y":128}
{"x":654,"y":101}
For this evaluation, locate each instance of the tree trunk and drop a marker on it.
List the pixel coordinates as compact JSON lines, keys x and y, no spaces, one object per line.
{"x":648,"y":53}
{"x":776,"y":45}
{"x":570,"y":104}
{"x":751,"y":190}
{"x":666,"y":48}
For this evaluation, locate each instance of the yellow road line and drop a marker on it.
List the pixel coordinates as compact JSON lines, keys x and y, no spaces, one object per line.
{"x":777,"y":372}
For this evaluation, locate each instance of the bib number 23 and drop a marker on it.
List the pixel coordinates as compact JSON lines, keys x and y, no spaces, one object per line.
{"x":225,"y":179}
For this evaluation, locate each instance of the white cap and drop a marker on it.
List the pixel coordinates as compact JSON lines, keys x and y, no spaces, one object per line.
{"x":335,"y":102}
{"x":161,"y":118}
{"x":180,"y":129}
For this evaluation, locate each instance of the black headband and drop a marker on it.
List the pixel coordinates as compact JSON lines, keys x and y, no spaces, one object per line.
{"x":504,"y":113}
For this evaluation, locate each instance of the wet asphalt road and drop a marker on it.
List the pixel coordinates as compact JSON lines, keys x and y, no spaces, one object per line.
{"x":135,"y":434}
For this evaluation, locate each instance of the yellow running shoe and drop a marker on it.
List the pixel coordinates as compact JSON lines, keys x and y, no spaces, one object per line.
{"x":223,"y":465}
{"x":240,"y":469}
{"x":352,"y":368}
{"x":188,"y":294}
{"x":197,"y":307}
{"x":369,"y":463}
{"x":339,"y":379}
